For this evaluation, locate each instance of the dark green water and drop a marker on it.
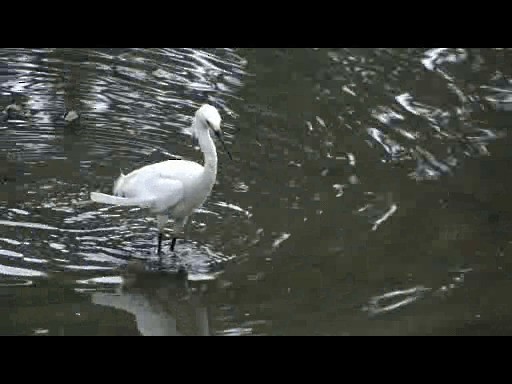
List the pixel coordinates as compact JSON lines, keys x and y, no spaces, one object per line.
{"x":367,"y":195}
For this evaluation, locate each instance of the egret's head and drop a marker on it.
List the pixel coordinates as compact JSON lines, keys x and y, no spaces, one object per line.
{"x":208,"y":119}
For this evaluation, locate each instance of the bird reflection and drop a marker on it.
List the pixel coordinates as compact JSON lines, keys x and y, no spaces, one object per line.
{"x":163,"y":303}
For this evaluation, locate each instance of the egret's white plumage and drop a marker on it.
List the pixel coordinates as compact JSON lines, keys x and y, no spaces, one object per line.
{"x":172,"y":187}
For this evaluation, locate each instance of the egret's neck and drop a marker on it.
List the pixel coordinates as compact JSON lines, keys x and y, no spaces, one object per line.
{"x":210,"y":152}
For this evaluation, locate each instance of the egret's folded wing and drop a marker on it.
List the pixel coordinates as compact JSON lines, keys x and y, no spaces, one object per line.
{"x":166,"y":192}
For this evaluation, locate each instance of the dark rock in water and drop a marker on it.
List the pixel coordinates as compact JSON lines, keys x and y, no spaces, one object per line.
{"x":11,"y":111}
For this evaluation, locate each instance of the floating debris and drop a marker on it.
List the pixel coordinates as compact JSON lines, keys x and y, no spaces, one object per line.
{"x":394,"y":300}
{"x":13,"y":107}
{"x":70,"y":116}
{"x":279,"y":240}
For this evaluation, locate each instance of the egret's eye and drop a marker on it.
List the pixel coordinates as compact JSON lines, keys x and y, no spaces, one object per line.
{"x":208,"y":122}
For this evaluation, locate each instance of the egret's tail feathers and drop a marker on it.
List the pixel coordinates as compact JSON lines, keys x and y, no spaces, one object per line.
{"x":99,"y":197}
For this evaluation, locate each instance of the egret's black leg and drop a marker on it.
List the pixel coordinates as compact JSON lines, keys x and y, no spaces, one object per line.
{"x":173,"y":243}
{"x":160,"y":235}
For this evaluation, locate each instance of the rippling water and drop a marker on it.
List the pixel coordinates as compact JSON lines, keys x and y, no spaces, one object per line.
{"x":367,"y":194}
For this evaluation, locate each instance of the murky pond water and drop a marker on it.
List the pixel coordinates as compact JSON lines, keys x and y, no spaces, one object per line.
{"x":367,"y":194}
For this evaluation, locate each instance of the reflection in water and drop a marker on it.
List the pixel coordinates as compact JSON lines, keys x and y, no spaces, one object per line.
{"x":15,"y":271}
{"x":163,"y":304}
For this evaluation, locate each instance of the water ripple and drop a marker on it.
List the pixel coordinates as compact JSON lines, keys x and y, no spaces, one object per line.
{"x":46,"y":227}
{"x":22,"y":272}
{"x":391,"y":301}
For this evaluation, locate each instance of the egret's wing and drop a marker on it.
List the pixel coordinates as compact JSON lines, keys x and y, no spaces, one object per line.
{"x":158,"y":184}
{"x":166,"y":192}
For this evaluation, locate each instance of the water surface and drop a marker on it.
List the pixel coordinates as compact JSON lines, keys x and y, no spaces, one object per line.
{"x":367,"y":195}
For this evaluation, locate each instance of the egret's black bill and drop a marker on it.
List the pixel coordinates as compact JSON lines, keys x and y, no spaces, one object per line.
{"x":221,"y":138}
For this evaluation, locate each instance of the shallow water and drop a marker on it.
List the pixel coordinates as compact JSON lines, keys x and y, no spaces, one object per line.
{"x":367,"y":195}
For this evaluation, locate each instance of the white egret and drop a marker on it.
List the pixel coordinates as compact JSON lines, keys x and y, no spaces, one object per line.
{"x":173,"y":187}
